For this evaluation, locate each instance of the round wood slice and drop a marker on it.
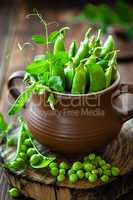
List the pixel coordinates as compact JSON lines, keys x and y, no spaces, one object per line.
{"x":39,"y":186}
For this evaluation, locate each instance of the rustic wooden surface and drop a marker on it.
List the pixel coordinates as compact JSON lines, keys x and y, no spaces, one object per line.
{"x":18,"y":29}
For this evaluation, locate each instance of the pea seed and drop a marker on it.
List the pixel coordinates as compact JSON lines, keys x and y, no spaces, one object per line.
{"x":106,"y":166}
{"x":53,"y":164}
{"x":87,"y":174}
{"x":77,"y":166}
{"x":20,"y":163}
{"x":94,"y":171}
{"x":80,"y":174}
{"x":104,"y":178}
{"x":13,"y":166}
{"x":31,"y":151}
{"x":107,"y":172}
{"x":35,"y":159}
{"x":92,"y":178}
{"x":88,"y":167}
{"x":98,"y":158}
{"x":63,"y":165}
{"x":23,"y":148}
{"x":73,"y":178}
{"x":71,"y":171}
{"x":92,"y":156}
{"x":28,"y":142}
{"x":62,"y":171}
{"x":54,"y":171}
{"x":14,"y":192}
{"x":115,"y":171}
{"x":23,"y":155}
{"x":101,"y":162}
{"x":100,"y":171}
{"x":60,"y":178}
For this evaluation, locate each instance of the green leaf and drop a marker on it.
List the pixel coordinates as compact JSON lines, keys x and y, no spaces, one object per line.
{"x":39,"y":39}
{"x":38,"y":67}
{"x":53,"y":36}
{"x":51,"y":101}
{"x":56,"y":83}
{"x":22,"y":100}
{"x":3,"y":123}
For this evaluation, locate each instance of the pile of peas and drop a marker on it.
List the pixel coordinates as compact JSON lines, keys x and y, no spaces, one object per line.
{"x":92,"y":168}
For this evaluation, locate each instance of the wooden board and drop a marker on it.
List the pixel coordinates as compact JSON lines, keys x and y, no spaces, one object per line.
{"x":34,"y":183}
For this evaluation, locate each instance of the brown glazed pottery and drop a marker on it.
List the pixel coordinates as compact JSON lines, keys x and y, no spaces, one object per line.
{"x":79,"y":123}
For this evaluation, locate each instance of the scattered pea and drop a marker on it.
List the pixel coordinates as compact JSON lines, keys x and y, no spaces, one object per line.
{"x":28,"y":142}
{"x":73,"y":178}
{"x":88,"y":167}
{"x":23,"y":148}
{"x":95,"y":171}
{"x":14,"y":192}
{"x":62,"y":171}
{"x":60,"y":178}
{"x":63,"y":165}
{"x":53,"y":164}
{"x":87,"y":174}
{"x":92,"y":156}
{"x":23,"y":155}
{"x":77,"y":166}
{"x":80,"y":174}
{"x":54,"y":171}
{"x":115,"y":171}
{"x":92,"y":178}
{"x":20,"y":163}
{"x":104,"y":178}
{"x":100,"y":171}
{"x":101,"y":162}
{"x":107,"y":172}
{"x":71,"y":171}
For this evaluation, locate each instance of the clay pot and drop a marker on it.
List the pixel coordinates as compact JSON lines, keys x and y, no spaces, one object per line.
{"x":79,"y":124}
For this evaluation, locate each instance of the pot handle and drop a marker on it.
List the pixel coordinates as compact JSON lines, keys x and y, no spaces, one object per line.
{"x":11,"y":83}
{"x":123,"y":89}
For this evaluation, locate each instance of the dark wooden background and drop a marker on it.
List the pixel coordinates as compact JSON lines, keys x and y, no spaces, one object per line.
{"x":14,"y":28}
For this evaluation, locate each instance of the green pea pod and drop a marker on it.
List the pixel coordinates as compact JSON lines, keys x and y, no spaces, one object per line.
{"x":108,"y":46}
{"x":59,"y":44}
{"x":72,"y":49}
{"x":111,"y":71}
{"x":69,"y":74}
{"x":83,"y":49}
{"x":97,"y":78}
{"x":79,"y":80}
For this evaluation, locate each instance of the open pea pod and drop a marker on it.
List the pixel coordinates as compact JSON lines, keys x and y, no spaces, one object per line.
{"x":97,"y":78}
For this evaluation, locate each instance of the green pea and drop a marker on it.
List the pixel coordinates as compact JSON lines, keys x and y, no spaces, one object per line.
{"x":87,"y":174}
{"x":14,"y":192}
{"x":71,"y":171}
{"x":13,"y":166}
{"x":10,"y":142}
{"x":31,"y":151}
{"x":77,"y":166}
{"x":107,"y":172}
{"x":73,"y":178}
{"x":23,"y":148}
{"x":35,"y":159}
{"x":98,"y":158}
{"x":80,"y":174}
{"x":20,"y":163}
{"x":92,"y":178}
{"x":62,"y":171}
{"x":64,"y":165}
{"x":28,"y":142}
{"x":88,"y":167}
{"x":54,"y":171}
{"x":95,"y":171}
{"x":104,"y":178}
{"x":53,"y":164}
{"x":101,"y":162}
{"x":115,"y":171}
{"x":92,"y":156}
{"x":60,"y":178}
{"x":22,"y":155}
{"x":79,"y":80}
{"x":106,"y":166}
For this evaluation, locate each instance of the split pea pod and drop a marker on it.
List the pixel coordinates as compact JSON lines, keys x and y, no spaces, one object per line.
{"x":72,"y":49}
{"x":79,"y":80}
{"x":83,"y":49}
{"x":108,"y":46}
{"x":69,"y":74}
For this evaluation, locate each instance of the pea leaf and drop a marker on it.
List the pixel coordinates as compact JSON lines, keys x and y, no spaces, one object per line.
{"x":39,"y":39}
{"x":38,"y":67}
{"x":22,"y":100}
{"x":53,"y":36}
{"x":56,"y":83}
